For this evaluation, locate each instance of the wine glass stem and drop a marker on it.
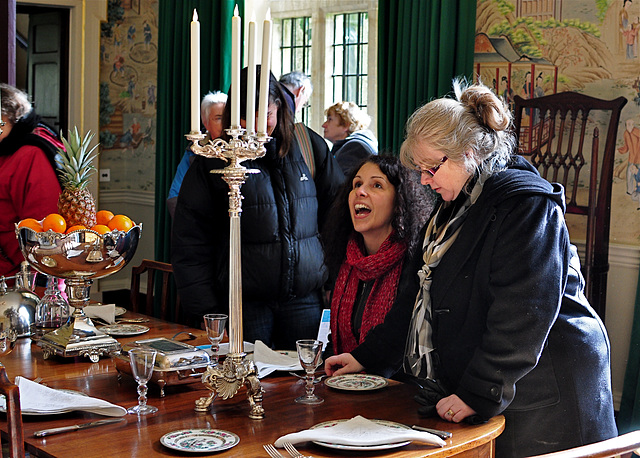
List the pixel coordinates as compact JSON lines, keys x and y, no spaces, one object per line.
{"x":309,"y":386}
{"x":142,"y":394}
{"x":214,"y":354}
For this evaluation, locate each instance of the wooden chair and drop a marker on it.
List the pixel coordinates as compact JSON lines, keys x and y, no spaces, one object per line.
{"x":166,"y":272}
{"x":14,"y":416}
{"x":551,"y":132}
{"x":622,"y":446}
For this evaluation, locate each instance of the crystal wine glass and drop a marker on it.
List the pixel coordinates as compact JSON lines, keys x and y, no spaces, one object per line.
{"x":215,"y":323}
{"x":142,"y":361}
{"x":309,"y":352}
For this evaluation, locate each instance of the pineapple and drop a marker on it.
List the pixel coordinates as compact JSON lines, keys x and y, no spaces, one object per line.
{"x":76,"y":204}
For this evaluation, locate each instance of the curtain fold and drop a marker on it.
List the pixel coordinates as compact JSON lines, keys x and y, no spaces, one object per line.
{"x":629,"y":414}
{"x":422,"y":46}
{"x":174,"y":88}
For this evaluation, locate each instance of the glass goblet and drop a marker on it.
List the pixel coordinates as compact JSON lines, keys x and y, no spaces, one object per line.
{"x":309,"y":352}
{"x":142,"y":361}
{"x":215,"y":323}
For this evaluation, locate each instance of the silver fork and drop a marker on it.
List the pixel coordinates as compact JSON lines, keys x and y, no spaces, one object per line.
{"x":271,"y":450}
{"x":294,"y":451}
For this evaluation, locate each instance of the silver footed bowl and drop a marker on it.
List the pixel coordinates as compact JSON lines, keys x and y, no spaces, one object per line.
{"x":83,"y":254}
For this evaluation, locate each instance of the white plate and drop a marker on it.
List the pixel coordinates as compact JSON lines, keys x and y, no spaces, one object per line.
{"x":390,"y":424}
{"x":200,"y":440}
{"x":356,"y":382}
{"x":120,"y":311}
{"x":124,"y":329}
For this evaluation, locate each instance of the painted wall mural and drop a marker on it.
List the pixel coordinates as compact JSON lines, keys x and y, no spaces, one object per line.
{"x":128,"y":102}
{"x":540,"y":47}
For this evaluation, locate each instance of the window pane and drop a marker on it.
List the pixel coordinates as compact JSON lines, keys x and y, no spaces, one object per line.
{"x":350,"y":52}
{"x":295,"y":46}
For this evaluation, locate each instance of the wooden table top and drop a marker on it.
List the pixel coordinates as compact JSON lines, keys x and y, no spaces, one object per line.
{"x":141,"y":436}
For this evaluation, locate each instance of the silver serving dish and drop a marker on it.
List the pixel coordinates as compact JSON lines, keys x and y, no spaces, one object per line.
{"x":79,"y":257}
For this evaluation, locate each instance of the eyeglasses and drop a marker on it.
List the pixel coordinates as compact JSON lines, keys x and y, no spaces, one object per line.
{"x":432,"y":171}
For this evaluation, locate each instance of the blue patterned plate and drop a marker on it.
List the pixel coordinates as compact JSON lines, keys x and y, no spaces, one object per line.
{"x":200,"y":440}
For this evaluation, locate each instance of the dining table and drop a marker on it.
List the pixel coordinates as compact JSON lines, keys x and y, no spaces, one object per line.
{"x":141,"y":435}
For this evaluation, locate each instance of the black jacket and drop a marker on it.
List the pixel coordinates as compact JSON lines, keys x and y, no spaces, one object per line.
{"x":513,"y":330}
{"x":282,"y":208}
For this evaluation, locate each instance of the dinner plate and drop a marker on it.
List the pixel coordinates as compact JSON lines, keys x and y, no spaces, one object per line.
{"x":356,"y":382}
{"x":124,"y":329}
{"x":200,"y":440}
{"x":390,"y":424}
{"x":120,"y":311}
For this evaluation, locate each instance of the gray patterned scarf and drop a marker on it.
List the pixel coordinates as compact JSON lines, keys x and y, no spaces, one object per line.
{"x":442,"y":231}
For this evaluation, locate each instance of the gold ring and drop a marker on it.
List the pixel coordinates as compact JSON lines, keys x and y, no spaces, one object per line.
{"x":449,"y":413}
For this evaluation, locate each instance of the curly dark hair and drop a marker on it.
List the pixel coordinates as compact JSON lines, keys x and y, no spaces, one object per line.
{"x":414,"y":203}
{"x":283,"y":132}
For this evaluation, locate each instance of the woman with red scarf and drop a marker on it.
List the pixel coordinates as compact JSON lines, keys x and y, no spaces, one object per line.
{"x":372,"y":229}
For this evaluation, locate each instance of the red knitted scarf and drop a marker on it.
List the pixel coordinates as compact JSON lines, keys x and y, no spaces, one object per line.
{"x":384,"y":267}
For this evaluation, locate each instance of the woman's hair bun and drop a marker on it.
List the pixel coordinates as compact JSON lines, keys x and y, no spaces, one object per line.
{"x":488,"y":107}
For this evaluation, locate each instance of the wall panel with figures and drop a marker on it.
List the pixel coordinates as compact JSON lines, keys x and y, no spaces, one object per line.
{"x":534,"y":48}
{"x":128,"y":107}
{"x":128,"y":81}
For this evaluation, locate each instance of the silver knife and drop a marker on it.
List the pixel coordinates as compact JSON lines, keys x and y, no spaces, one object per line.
{"x":437,"y":432}
{"x":64,"y":429}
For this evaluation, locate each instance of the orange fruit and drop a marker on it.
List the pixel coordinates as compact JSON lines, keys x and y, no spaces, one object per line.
{"x":103,"y":217}
{"x":31,"y":223}
{"x":54,"y":222}
{"x":120,"y":222}
{"x":100,"y":229}
{"x":77,"y":227}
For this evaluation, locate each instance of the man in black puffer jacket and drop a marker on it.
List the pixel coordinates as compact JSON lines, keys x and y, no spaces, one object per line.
{"x":282,"y":259}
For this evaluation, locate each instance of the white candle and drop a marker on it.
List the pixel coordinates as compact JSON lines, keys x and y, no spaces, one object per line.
{"x":235,"y":69}
{"x":264,"y":74}
{"x":195,"y":73}
{"x":251,"y":77}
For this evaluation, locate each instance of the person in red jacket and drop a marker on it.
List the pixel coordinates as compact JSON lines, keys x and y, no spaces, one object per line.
{"x":29,"y":186}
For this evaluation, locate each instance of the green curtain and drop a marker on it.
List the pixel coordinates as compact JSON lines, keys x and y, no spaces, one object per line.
{"x":422,"y":46}
{"x":629,"y":415}
{"x":174,"y":88}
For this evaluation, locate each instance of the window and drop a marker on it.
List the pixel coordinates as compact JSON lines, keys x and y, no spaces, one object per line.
{"x":335,"y":43}
{"x":295,"y":50}
{"x":350,"y":55}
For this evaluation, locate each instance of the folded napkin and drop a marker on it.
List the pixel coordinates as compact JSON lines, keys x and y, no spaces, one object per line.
{"x":268,"y":361}
{"x":360,"y":432}
{"x":42,"y":400}
{"x":105,"y":312}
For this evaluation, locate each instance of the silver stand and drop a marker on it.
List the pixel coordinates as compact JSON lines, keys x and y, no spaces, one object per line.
{"x":225,"y":380}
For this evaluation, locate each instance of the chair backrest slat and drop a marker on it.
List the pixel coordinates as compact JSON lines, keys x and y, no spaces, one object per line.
{"x":153,"y":268}
{"x":555,"y":145}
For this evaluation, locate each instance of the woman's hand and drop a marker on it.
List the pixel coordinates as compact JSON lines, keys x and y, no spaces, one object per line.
{"x":453,"y":409}
{"x":342,"y":364}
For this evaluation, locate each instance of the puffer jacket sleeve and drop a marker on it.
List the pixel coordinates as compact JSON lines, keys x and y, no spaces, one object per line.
{"x":200,"y":220}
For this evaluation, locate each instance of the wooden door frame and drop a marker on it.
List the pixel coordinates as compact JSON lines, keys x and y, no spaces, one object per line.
{"x":84,"y":61}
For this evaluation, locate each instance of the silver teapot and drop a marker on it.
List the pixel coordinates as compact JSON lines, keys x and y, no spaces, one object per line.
{"x":17,"y":307}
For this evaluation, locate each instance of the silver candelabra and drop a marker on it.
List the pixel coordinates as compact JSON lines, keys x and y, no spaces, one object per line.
{"x":226,"y":379}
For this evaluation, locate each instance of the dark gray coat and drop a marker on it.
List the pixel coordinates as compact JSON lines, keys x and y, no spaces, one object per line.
{"x":513,"y":330}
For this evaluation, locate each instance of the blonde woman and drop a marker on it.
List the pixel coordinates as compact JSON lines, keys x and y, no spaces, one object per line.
{"x":346,"y":128}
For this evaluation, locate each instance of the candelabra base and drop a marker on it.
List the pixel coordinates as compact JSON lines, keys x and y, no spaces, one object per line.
{"x":225,"y":380}
{"x":78,"y":337}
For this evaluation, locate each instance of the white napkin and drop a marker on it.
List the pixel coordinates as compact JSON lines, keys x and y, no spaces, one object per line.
{"x":39,"y":399}
{"x":105,"y":312}
{"x":268,"y":361}
{"x":360,"y":432}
